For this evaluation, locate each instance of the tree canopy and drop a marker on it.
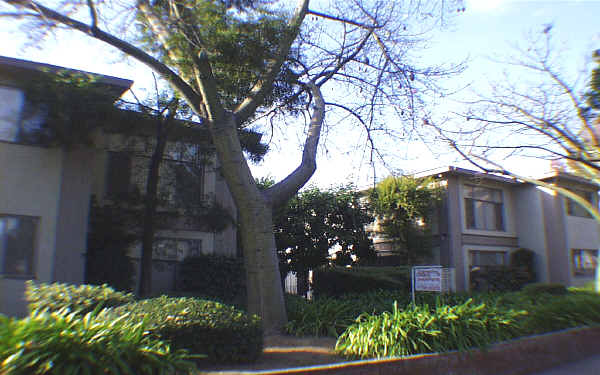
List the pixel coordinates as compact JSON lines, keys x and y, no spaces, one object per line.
{"x":233,"y":65}
{"x":405,"y":206}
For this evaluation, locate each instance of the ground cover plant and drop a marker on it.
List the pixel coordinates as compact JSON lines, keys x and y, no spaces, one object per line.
{"x":63,"y":342}
{"x":221,"y":332}
{"x":386,"y":323}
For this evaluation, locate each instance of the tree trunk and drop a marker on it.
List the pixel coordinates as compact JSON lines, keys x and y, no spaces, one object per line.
{"x":150,"y":202}
{"x":265,"y":294}
{"x":263,"y":281}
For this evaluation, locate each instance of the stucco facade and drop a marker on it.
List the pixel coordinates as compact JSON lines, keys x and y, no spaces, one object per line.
{"x":524,"y":216}
{"x":45,"y":193}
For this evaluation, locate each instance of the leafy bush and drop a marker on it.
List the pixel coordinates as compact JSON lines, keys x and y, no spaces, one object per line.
{"x":336,"y":281}
{"x":321,"y":317}
{"x":66,"y":343}
{"x":560,"y":312}
{"x":217,"y":277}
{"x":222,"y":332}
{"x":539,"y":288}
{"x":80,"y":299}
{"x":419,"y":329}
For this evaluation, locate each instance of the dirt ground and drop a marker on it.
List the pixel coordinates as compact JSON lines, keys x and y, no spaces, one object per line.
{"x":285,"y":352}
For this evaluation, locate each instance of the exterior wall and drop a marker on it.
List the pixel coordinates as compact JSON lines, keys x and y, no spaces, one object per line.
{"x":450,"y":251}
{"x":462,"y":239}
{"x":164,"y":273}
{"x":582,"y":233}
{"x":530,"y":217}
{"x":72,"y":225}
{"x":30,"y":186}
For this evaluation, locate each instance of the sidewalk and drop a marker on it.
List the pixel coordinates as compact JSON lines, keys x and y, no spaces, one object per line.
{"x":589,"y":366}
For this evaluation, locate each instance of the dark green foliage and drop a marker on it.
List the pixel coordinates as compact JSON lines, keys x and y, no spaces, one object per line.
{"x":421,"y":329}
{"x":321,"y":317}
{"x":329,"y":316}
{"x":540,"y":288}
{"x":214,"y":276}
{"x":559,"y":312}
{"x":223,"y":333}
{"x":66,"y":343}
{"x":236,"y":47}
{"x":592,"y":96}
{"x":523,"y":261}
{"x":110,"y":235}
{"x":499,"y":279}
{"x":404,"y":207}
{"x":80,"y":299}
{"x":315,"y":221}
{"x":336,"y":281}
{"x":72,"y":106}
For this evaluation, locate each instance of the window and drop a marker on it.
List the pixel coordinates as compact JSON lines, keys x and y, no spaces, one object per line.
{"x":481,"y":263}
{"x":483,"y":208}
{"x":176,"y":248}
{"x":575,"y":209}
{"x":17,"y":244}
{"x":20,"y":123}
{"x":584,"y":262}
{"x":118,"y":173}
{"x":484,"y":258}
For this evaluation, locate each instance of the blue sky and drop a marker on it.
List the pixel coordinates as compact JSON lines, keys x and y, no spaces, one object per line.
{"x":486,"y":29}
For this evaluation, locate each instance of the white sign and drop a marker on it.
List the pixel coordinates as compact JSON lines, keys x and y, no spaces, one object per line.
{"x":428,"y":279}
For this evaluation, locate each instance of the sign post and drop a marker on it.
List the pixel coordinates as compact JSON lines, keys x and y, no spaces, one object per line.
{"x":426,"y":279}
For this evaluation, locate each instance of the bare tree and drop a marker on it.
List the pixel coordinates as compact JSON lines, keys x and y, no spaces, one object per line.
{"x":362,"y":50}
{"x":535,"y":112}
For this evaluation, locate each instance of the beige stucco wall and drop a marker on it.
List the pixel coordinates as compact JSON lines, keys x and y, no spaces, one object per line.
{"x":582,"y":233}
{"x":72,"y":225}
{"x":529,"y":215}
{"x":30,"y":185}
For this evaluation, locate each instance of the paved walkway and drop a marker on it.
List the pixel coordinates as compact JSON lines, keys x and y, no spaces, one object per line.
{"x":589,"y":366}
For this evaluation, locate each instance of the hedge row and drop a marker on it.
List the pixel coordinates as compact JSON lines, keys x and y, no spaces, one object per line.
{"x":60,"y":343}
{"x":219,"y":332}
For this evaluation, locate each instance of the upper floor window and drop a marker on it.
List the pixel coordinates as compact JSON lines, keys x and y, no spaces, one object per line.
{"x":17,"y":242}
{"x":20,"y":123}
{"x":575,"y":209}
{"x":118,"y":173}
{"x":584,"y":262}
{"x":484,"y":208}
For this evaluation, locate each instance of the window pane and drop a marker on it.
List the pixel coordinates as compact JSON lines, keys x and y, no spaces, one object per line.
{"x":575,"y":209}
{"x":17,"y":236}
{"x":10,"y":111}
{"x":483,"y":208}
{"x":118,"y":175}
{"x":584,"y":262}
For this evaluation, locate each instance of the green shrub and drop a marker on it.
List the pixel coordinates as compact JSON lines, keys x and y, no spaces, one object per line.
{"x":321,"y":317}
{"x":222,"y":332}
{"x":421,"y":329}
{"x":217,"y":277}
{"x":66,"y":343}
{"x":336,"y":281}
{"x":539,"y":288}
{"x":563,"y":311}
{"x":81,"y":299}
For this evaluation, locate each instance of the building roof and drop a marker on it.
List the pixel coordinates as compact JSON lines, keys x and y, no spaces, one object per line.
{"x":116,"y":86}
{"x":553,"y":176}
{"x":452,"y":170}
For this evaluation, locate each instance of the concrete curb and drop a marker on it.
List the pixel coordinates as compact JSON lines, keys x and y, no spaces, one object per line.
{"x":516,"y":357}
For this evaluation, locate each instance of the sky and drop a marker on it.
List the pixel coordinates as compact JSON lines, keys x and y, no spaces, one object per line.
{"x":485,"y":31}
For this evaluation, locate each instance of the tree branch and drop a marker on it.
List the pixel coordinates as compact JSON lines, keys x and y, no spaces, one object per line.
{"x":185,"y":90}
{"x":281,"y":192}
{"x":257,"y":94}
